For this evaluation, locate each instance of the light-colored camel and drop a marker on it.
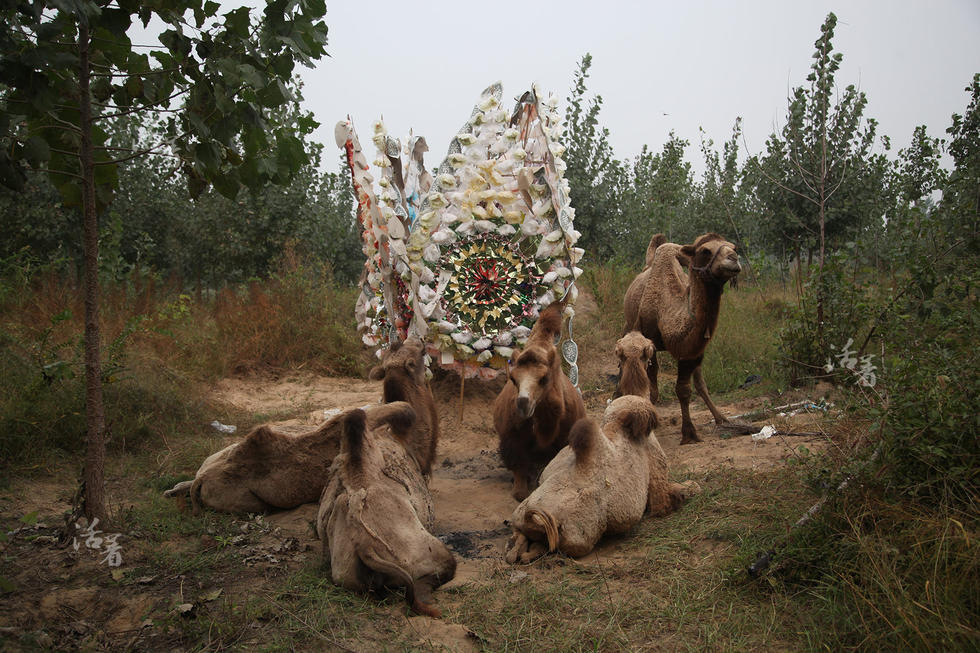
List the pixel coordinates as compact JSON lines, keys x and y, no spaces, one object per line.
{"x":402,"y":369}
{"x":537,"y":407}
{"x":602,"y":482}
{"x":375,"y":515}
{"x":271,"y":470}
{"x":634,"y":352}
{"x":678,"y":311}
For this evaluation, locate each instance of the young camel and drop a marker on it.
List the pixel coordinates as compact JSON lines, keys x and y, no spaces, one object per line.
{"x":679,"y":312}
{"x":269,"y":470}
{"x":537,"y":408}
{"x":402,"y":369}
{"x":375,"y":515}
{"x":602,"y":482}
{"x":634,"y":352}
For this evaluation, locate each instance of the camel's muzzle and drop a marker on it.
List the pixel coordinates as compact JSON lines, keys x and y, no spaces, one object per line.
{"x":731,"y":267}
{"x":524,"y":407}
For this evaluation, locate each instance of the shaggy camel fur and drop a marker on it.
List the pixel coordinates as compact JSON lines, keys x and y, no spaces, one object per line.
{"x":634,"y":353}
{"x":403,"y":370}
{"x":374,"y":517}
{"x":679,"y":312}
{"x":271,"y":470}
{"x":600,"y":483}
{"x":537,"y":408}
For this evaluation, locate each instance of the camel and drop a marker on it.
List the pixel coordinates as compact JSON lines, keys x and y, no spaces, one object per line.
{"x":402,"y":369}
{"x":634,"y":352}
{"x":679,"y":312}
{"x":537,"y":407}
{"x":374,"y":518}
{"x":602,"y":482}
{"x":270,"y":470}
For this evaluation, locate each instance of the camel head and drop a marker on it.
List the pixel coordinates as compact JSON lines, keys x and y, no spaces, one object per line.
{"x":634,"y":352}
{"x":533,"y":373}
{"x":402,"y":366}
{"x":713,"y":257}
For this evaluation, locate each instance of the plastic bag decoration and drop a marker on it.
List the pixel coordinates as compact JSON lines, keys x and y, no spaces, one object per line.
{"x":385,"y":306}
{"x":490,"y":243}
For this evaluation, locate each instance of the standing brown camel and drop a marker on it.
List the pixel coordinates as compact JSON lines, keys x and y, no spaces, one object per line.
{"x":679,"y":312}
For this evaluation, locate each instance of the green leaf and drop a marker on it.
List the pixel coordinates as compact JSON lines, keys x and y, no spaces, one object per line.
{"x":275,"y":94}
{"x":237,"y":22}
{"x":227,"y":185}
{"x":116,"y":21}
{"x":36,"y":150}
{"x":29,"y":519}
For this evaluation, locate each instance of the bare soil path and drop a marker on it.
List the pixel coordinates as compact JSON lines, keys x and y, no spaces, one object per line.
{"x":470,"y":487}
{"x":70,"y":594}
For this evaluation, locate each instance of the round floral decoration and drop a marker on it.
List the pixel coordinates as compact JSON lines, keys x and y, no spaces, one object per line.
{"x":492,"y":284}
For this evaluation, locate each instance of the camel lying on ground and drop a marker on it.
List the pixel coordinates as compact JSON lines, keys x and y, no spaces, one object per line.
{"x":402,"y":369}
{"x":374,"y":517}
{"x":634,"y":352}
{"x":679,"y":312}
{"x":602,"y":482}
{"x":537,"y":407}
{"x":271,"y":470}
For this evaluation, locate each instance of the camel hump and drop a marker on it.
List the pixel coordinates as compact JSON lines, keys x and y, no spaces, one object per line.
{"x":399,"y":415}
{"x":582,"y":438}
{"x":655,"y":241}
{"x":549,"y":322}
{"x":638,"y":419}
{"x":352,"y":442}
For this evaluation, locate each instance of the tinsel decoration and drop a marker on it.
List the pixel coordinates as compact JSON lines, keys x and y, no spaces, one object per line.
{"x":467,"y":260}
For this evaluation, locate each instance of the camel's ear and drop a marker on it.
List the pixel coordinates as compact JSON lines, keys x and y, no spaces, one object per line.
{"x":688,"y":250}
{"x":377,"y":373}
{"x":552,"y":356}
{"x":649,"y":352}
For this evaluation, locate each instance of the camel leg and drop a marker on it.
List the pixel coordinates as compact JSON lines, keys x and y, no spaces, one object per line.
{"x":684,"y":371}
{"x":702,"y":389}
{"x":652,"y":369}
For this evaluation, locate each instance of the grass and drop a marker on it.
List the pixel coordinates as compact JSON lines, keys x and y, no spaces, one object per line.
{"x":872,"y":573}
{"x":679,"y":585}
{"x":738,"y":349}
{"x":159,"y":347}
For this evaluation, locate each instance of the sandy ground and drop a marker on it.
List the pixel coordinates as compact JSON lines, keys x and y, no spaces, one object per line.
{"x":470,"y":486}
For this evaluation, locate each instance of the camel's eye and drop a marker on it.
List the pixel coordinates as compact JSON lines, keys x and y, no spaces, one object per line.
{"x":512,"y":379}
{"x":543,"y":380}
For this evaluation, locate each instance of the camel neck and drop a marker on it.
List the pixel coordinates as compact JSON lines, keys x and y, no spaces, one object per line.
{"x":705,"y":302}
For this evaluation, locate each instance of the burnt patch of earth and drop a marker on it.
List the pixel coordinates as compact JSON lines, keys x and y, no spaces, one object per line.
{"x":473,"y":544}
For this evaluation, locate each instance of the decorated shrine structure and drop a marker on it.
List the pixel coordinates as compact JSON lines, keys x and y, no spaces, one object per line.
{"x":466,"y":260}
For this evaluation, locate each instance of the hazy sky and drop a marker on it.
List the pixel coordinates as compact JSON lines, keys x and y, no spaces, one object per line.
{"x":659,"y":66}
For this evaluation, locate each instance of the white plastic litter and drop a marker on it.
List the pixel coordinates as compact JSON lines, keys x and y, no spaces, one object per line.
{"x":766,"y":433}
{"x":224,"y":428}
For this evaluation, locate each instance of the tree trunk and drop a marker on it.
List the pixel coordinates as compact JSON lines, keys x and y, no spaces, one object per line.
{"x":94,"y":474}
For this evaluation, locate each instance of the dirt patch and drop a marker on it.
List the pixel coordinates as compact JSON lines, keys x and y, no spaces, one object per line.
{"x":68,"y":597}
